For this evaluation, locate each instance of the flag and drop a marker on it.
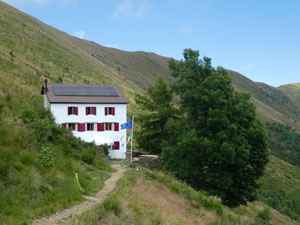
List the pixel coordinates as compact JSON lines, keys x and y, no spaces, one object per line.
{"x":127,"y":125}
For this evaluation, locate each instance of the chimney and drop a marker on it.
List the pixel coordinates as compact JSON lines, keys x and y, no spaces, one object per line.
{"x":46,"y":85}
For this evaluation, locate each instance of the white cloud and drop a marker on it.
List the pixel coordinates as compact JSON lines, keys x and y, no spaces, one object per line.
{"x":115,"y":45}
{"x":132,"y":8}
{"x":186,"y":27}
{"x":80,"y":34}
{"x":246,"y":67}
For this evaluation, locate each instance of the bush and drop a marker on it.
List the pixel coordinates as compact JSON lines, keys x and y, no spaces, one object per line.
{"x":47,"y":156}
{"x":88,"y":157}
{"x":263,"y":217}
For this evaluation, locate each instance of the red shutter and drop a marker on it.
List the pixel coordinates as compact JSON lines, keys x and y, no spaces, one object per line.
{"x":86,"y":111}
{"x":64,"y":125}
{"x":116,"y":126}
{"x":116,"y":145}
{"x":81,"y":127}
{"x":76,"y":110}
{"x":113,"y":111}
{"x":69,"y":110}
{"x":94,"y":110}
{"x":105,"y":111}
{"x":100,"y":127}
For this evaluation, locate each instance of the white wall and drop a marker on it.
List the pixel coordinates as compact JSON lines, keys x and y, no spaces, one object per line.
{"x":60,"y":112}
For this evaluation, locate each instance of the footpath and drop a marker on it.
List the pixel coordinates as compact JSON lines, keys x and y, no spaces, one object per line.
{"x":66,"y":214}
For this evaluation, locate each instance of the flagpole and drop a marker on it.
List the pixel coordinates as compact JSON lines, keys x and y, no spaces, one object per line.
{"x":131,"y":140}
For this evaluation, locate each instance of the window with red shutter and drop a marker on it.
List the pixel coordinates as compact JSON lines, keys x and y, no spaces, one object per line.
{"x":81,"y":127}
{"x":100,"y":127}
{"x":90,"y":110}
{"x":108,"y":126}
{"x":72,"y":110}
{"x":64,"y":125}
{"x":116,"y":145}
{"x":110,"y":111}
{"x":116,"y":125}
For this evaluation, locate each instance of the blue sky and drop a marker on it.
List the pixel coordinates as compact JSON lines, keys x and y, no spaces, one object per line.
{"x":258,"y":38}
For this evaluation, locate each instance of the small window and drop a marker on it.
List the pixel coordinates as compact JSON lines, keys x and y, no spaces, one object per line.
{"x":110,"y":111}
{"x":116,"y":145}
{"x":72,"y":110}
{"x":72,"y":126}
{"x":90,"y":126}
{"x":108,"y":126}
{"x":90,"y":110}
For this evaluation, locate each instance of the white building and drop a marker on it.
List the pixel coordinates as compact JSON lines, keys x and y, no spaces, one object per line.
{"x":92,"y":112}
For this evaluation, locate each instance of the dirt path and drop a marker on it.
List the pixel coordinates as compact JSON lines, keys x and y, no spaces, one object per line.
{"x":63,"y":215}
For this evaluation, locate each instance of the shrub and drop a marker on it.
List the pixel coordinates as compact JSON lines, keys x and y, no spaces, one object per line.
{"x":263,"y":217}
{"x":47,"y":156}
{"x":105,"y":149}
{"x":88,"y":157}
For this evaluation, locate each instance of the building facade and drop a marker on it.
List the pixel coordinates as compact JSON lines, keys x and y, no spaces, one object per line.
{"x":92,"y":112}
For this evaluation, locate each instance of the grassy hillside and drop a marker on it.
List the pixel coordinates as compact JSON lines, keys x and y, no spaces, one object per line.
{"x":152,"y":197}
{"x":272,"y":104}
{"x":31,"y":51}
{"x":280,"y":187}
{"x":38,"y":163}
{"x":292,"y":90}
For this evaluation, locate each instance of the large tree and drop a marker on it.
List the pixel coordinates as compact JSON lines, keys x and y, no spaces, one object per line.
{"x":155,"y":110}
{"x":220,"y":146}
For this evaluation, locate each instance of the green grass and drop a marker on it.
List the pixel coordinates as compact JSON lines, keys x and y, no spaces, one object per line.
{"x":153,"y":197}
{"x":32,"y":182}
{"x":31,"y":51}
{"x":280,"y":187}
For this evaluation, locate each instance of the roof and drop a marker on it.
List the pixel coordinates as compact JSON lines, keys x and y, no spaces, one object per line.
{"x":84,"y":93}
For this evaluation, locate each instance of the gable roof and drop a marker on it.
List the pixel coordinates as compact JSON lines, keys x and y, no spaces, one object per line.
{"x":83,"y":93}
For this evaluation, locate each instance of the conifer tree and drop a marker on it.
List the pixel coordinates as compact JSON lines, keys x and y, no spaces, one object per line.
{"x":156,"y":108}
{"x":220,"y":146}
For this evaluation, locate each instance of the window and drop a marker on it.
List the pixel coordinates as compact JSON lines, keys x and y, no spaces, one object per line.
{"x":109,"y":111}
{"x":116,"y":145}
{"x":100,"y":126}
{"x":81,"y":127}
{"x":72,"y":110}
{"x":90,"y":126}
{"x":108,"y":126}
{"x":72,"y":126}
{"x":90,"y":110}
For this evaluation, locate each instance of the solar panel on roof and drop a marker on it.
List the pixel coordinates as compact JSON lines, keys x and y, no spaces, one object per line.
{"x":67,"y":90}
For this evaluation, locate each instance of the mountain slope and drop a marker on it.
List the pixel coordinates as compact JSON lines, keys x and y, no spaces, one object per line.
{"x":272,"y":104}
{"x":31,"y":51}
{"x":293,"y":90}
